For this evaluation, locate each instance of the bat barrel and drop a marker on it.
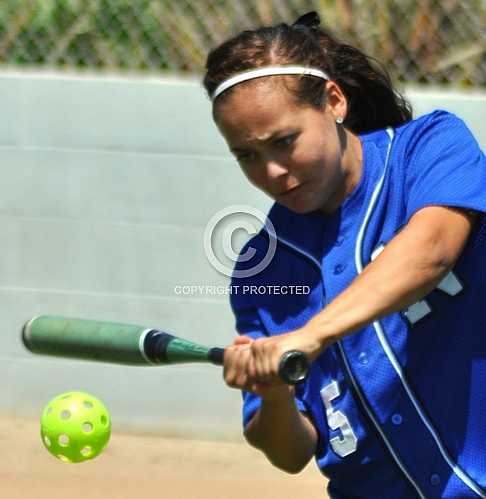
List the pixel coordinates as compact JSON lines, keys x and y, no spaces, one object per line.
{"x":111,"y":342}
{"x":86,"y":339}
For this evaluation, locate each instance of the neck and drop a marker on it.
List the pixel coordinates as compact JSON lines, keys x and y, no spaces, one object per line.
{"x":351,"y":167}
{"x":352,"y":163}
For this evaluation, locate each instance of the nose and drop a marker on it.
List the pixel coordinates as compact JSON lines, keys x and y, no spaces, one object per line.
{"x":275,"y":169}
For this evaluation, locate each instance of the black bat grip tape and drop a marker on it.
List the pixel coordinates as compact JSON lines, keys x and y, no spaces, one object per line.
{"x":293,"y":367}
{"x":155,"y":345}
{"x":216,"y":356}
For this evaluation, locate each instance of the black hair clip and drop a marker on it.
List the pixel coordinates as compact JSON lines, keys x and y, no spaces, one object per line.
{"x":308,"y":20}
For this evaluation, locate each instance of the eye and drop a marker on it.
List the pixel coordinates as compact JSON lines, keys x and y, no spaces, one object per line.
{"x":286,"y":141}
{"x":245,"y":157}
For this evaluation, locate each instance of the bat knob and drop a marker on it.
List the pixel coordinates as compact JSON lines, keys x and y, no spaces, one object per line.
{"x":293,"y":367}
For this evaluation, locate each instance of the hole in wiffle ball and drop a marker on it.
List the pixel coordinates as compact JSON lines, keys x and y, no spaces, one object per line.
{"x":86,"y":451}
{"x":65,"y":397}
{"x":104,"y":420}
{"x":49,"y":410}
{"x":63,"y":458}
{"x":63,"y":440}
{"x":87,"y":427}
{"x":88,"y":404}
{"x":65,"y":414}
{"x":47,"y":440}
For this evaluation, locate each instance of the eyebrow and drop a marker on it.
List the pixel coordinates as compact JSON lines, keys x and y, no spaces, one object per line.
{"x":277,"y":133}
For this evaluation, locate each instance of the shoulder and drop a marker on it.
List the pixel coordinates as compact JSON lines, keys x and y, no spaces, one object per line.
{"x":435,"y":130}
{"x":435,"y":118}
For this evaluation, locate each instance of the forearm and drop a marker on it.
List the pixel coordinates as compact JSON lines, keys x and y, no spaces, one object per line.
{"x":409,"y":267}
{"x":283,"y":433}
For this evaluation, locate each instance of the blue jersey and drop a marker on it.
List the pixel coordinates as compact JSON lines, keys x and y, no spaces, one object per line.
{"x":400,"y":405}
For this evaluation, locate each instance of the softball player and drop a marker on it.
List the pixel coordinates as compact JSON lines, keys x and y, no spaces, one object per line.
{"x":381,"y":217}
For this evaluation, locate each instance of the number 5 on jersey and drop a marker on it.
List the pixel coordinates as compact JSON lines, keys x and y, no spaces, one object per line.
{"x":347,"y":442}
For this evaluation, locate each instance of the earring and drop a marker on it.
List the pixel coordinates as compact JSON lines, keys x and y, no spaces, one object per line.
{"x":339,"y":120}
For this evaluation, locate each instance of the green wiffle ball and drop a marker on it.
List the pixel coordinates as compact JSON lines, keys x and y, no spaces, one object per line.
{"x":75,"y":427}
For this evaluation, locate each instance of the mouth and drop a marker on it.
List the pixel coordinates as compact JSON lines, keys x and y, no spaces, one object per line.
{"x":290,"y":191}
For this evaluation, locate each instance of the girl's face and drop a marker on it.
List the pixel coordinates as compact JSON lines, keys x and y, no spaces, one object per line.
{"x":296,"y":154}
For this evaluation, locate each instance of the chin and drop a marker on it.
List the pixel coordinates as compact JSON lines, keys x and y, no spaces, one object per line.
{"x":301,"y":207}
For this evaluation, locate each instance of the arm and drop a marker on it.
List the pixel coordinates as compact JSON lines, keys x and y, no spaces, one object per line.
{"x":278,"y":428}
{"x":410,"y":266}
{"x":285,"y":435}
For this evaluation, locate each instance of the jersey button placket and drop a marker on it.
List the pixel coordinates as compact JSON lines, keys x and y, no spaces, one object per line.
{"x":363,"y":358}
{"x":339,"y":268}
{"x":435,"y":479}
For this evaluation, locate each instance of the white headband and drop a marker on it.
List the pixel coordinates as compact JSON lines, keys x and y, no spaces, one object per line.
{"x":267,"y":71}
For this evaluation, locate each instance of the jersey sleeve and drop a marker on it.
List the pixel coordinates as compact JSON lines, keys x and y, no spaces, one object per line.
{"x":444,"y":166}
{"x":248,"y":323}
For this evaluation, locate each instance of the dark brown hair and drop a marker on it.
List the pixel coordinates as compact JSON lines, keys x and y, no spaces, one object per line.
{"x":373,"y":103}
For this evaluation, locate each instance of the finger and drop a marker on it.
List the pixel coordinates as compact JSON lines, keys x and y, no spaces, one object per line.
{"x":237,"y":373}
{"x":241,"y":361}
{"x":267,"y":358}
{"x":242,"y":340}
{"x":260,"y":352}
{"x":251,"y":367}
{"x":256,"y":352}
{"x":231,"y":365}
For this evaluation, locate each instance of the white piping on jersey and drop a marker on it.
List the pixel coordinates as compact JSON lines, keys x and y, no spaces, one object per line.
{"x":301,"y":251}
{"x":357,"y":389}
{"x":459,"y":472}
{"x":346,"y":364}
{"x":364,"y":403}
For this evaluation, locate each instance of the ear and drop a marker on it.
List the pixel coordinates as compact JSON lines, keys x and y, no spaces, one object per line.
{"x":336,"y":102}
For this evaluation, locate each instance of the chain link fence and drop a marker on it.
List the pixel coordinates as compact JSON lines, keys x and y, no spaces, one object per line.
{"x":419,"y":41}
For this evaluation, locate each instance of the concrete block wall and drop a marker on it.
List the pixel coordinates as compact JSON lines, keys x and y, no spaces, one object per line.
{"x":106,"y":188}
